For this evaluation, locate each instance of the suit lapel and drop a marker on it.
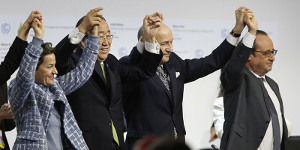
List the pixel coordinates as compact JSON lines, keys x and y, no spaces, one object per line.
{"x":111,"y":78}
{"x":158,"y":81}
{"x":275,"y":89}
{"x":98,"y":70}
{"x":264,"y":90}
{"x":171,"y":71}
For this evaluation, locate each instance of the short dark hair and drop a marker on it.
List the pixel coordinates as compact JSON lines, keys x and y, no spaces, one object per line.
{"x":81,"y":19}
{"x":258,"y":32}
{"x":140,"y":32}
{"x":47,"y":49}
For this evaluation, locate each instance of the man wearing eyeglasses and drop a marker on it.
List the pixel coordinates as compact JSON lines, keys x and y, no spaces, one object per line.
{"x":254,"y":117}
{"x":97,"y":105}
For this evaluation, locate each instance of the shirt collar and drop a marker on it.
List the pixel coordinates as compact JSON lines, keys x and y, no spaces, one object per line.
{"x":264,"y":76}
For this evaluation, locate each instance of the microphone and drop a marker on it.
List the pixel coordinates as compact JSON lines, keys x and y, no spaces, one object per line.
{"x":215,"y":147}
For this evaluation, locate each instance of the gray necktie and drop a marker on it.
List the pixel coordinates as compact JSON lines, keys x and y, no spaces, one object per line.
{"x":275,"y":121}
{"x":163,"y":76}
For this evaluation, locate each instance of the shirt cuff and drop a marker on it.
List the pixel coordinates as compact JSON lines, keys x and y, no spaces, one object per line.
{"x":152,"y":47}
{"x":232,"y":40}
{"x":75,"y":36}
{"x":140,"y":46}
{"x":248,"y":40}
{"x":37,"y":41}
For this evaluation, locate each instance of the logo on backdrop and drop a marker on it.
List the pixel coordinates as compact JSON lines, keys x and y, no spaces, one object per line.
{"x":199,"y":53}
{"x":122,"y":51}
{"x":5,"y":28}
{"x":224,"y":33}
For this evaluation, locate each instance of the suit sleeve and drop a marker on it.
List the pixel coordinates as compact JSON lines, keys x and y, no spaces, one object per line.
{"x":138,"y":66}
{"x":197,"y":68}
{"x":63,"y":51}
{"x":232,"y":73}
{"x":12,"y":59}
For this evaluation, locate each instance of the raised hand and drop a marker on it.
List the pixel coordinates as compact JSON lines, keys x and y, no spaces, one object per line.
{"x":23,"y":32}
{"x":250,"y":21}
{"x":91,"y":19}
{"x":5,"y":112}
{"x":94,"y":30}
{"x":38,"y":28}
{"x":239,"y":18}
{"x":151,"y":26}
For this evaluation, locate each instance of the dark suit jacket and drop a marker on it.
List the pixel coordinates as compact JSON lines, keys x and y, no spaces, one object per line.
{"x":246,"y":114}
{"x":6,"y":124}
{"x":150,"y":109}
{"x":12,"y":59}
{"x":94,"y":104}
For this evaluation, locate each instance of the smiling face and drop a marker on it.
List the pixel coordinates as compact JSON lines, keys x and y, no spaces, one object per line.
{"x":46,"y":71}
{"x":105,"y":41}
{"x":257,"y":62}
{"x":165,"y":40}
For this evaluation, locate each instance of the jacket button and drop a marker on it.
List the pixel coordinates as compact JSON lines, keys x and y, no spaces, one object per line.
{"x":109,"y":124}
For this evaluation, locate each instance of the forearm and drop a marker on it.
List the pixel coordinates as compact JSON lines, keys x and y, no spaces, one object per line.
{"x":232,"y":73}
{"x":84,"y":68}
{"x":26,"y":75}
{"x":8,"y":124}
{"x":149,"y":63}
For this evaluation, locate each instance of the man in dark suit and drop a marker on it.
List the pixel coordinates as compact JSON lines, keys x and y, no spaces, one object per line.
{"x":254,"y":118}
{"x":97,"y":105}
{"x":154,"y":106}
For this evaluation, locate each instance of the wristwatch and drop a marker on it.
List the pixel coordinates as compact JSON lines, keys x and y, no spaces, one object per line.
{"x":235,"y":34}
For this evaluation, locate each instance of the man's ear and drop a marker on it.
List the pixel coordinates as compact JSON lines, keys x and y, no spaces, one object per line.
{"x":251,"y":57}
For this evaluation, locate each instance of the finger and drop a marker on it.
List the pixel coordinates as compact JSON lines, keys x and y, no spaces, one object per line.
{"x":96,"y":23}
{"x":159,"y":15}
{"x":35,"y":23}
{"x":97,"y":9}
{"x":95,"y":14}
{"x":156,"y":25}
{"x":99,"y":14}
{"x":33,"y":14}
{"x":145,"y":20}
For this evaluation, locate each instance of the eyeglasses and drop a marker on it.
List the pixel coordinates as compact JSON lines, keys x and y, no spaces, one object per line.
{"x":107,"y":37}
{"x":268,"y":52}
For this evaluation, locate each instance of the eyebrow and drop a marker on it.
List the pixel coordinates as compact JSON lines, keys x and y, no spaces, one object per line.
{"x":103,"y":31}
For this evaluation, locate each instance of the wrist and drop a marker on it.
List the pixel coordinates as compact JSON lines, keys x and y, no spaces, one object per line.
{"x":150,"y":39}
{"x":238,"y":29}
{"x":38,"y":36}
{"x":81,"y":29}
{"x":235,"y":34}
{"x":22,"y":36}
{"x":252,"y":31}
